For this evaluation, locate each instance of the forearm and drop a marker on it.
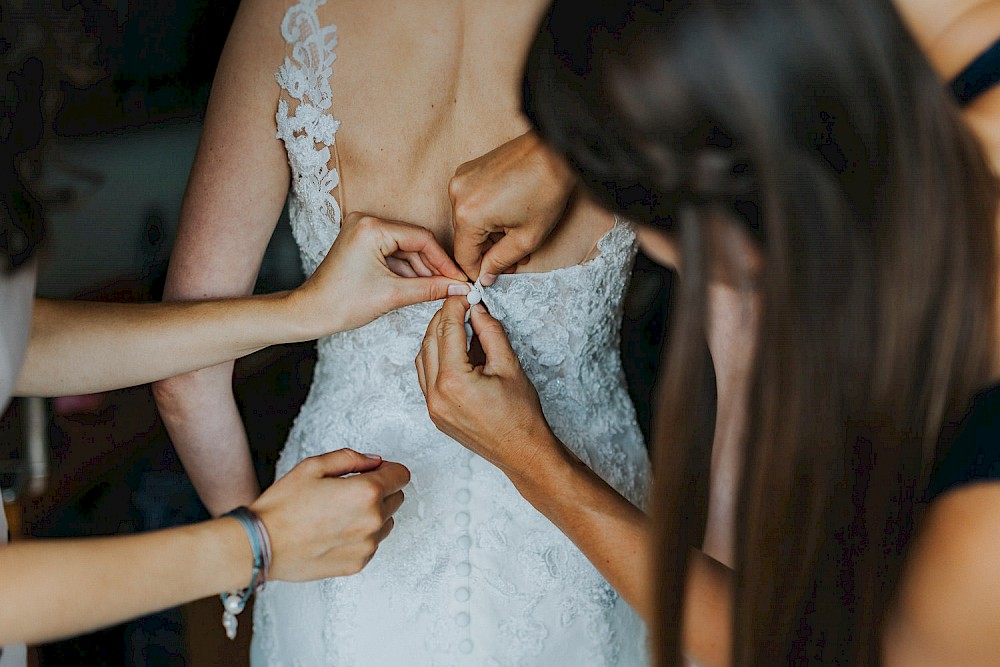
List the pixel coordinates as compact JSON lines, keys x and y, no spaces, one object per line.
{"x":205,"y":426}
{"x":611,"y":532}
{"x":79,"y":347}
{"x":57,"y":588}
{"x":707,"y":632}
{"x":617,"y":538}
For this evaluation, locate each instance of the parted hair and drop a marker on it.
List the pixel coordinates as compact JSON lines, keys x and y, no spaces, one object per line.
{"x":820,"y":131}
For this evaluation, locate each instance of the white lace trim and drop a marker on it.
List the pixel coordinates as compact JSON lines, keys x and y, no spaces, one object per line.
{"x":309,"y":131}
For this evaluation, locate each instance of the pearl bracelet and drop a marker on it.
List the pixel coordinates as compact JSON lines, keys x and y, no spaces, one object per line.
{"x":233,"y":602}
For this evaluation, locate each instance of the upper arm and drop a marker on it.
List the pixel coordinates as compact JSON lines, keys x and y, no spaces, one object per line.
{"x":948,"y":604}
{"x":240,"y":176}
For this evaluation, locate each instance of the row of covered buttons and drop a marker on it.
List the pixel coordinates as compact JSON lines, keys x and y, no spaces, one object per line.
{"x":463,"y":568}
{"x":462,"y":518}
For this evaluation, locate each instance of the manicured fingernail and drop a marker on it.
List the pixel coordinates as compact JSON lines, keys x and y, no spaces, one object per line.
{"x":373,"y":456}
{"x":487,"y":279}
{"x":459,"y":289}
{"x":479,"y":308}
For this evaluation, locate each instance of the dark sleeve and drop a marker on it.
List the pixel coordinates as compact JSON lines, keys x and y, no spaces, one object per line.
{"x":974,"y":453}
{"x":981,"y":74}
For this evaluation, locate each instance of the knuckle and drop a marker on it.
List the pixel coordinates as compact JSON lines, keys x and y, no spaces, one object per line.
{"x":405,"y":472}
{"x":434,"y":406}
{"x":367,"y":224}
{"x":493,"y":326}
{"x":353,"y":217}
{"x":425,"y":345}
{"x":449,"y":384}
{"x":372,"y":524}
{"x":442,"y":324}
{"x":372,"y":493}
{"x":456,"y":187}
{"x":311,"y":465}
{"x":369,"y":546}
{"x":395,"y":294}
{"x":461,"y":213}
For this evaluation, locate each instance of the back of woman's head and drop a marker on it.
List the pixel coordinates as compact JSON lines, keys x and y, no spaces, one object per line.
{"x":819,"y":131}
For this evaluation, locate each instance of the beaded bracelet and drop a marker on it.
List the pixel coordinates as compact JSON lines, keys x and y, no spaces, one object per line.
{"x":233,"y":602}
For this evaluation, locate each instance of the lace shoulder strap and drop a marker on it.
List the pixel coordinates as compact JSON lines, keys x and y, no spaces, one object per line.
{"x":308,"y":129}
{"x":306,"y":72}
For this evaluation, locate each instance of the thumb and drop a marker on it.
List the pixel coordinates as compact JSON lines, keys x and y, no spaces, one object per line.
{"x":505,"y":254}
{"x":493,"y":339}
{"x":408,"y":291}
{"x":342,"y":462}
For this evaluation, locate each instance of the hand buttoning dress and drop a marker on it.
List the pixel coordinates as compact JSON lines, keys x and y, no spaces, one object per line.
{"x":471,"y":575}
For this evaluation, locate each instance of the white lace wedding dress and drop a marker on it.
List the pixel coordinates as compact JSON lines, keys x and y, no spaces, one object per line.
{"x":471,"y":575}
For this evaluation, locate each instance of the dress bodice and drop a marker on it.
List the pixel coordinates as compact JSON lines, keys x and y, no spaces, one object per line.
{"x":471,"y":575}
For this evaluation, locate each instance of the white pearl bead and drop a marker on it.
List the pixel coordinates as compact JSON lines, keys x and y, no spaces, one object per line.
{"x":233,"y":604}
{"x":230,"y":624}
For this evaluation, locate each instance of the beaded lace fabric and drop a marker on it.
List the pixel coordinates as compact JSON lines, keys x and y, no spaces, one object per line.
{"x":471,"y":574}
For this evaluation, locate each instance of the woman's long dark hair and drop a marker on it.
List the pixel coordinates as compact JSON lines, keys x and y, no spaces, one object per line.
{"x":820,"y":130}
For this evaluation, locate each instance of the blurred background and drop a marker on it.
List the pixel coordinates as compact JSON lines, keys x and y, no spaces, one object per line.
{"x":122,"y":87}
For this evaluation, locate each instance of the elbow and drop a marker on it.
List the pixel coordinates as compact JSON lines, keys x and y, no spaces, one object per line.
{"x":176,"y":397}
{"x":169,"y":395}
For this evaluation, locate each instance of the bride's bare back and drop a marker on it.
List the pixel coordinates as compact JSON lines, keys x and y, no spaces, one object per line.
{"x":421,"y":87}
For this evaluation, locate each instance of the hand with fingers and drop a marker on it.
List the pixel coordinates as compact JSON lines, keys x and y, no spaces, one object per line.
{"x":373,"y":267}
{"x":492,"y":409}
{"x":323,"y":524}
{"x":505,"y":204}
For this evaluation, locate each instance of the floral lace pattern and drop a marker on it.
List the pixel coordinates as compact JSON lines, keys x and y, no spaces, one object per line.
{"x":471,"y":575}
{"x":308,"y":131}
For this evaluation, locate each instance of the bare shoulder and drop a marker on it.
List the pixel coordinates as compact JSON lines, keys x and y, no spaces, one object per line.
{"x":948,"y":604}
{"x":961,"y":31}
{"x":255,"y":43}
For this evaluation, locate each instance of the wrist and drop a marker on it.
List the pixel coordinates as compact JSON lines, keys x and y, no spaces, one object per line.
{"x":225,"y":556}
{"x":555,"y":164}
{"x":234,"y":601}
{"x":304,"y":319}
{"x":543,"y":469}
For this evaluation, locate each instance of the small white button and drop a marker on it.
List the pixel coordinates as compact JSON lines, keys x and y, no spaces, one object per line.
{"x":462,"y":519}
{"x":465,"y":646}
{"x":464,"y":541}
{"x":463,"y":569}
{"x":463,"y":496}
{"x":462,"y":594}
{"x":474,"y":297}
{"x":462,"y":619}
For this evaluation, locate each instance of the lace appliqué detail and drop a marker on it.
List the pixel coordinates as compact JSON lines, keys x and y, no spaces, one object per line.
{"x":471,"y":575}
{"x":309,"y":130}
{"x":568,"y":348}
